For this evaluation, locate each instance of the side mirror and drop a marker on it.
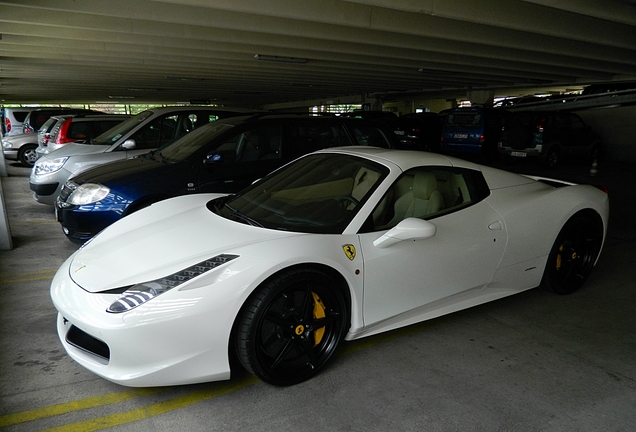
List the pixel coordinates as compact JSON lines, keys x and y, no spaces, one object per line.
{"x":129,"y":144}
{"x":222,"y":156}
{"x":408,"y":229}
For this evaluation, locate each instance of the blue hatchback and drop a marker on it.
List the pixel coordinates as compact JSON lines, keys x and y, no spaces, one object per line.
{"x":224,"y":156}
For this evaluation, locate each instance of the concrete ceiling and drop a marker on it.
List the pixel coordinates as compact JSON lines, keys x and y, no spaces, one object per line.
{"x":139,"y":51}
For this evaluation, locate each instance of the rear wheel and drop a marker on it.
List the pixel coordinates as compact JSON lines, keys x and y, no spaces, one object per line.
{"x":573,"y":254}
{"x":291,"y":326}
{"x":27,"y":155}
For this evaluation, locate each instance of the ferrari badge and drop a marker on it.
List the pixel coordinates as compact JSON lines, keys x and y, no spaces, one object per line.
{"x":350,"y":251}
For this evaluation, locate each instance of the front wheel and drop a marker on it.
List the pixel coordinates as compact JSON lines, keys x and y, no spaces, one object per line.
{"x":27,"y":155}
{"x":291,"y":326}
{"x":573,"y":254}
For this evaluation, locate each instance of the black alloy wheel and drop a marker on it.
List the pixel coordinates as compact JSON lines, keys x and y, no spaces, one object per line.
{"x":574,"y":253}
{"x":291,"y":326}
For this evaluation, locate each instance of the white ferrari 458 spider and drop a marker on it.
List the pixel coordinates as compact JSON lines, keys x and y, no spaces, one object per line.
{"x":339,"y":244}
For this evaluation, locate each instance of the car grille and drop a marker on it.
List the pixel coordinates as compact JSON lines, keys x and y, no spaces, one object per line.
{"x":67,"y":189}
{"x":87,"y":343}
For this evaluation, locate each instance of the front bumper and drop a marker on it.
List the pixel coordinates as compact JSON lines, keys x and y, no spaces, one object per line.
{"x":180,"y":337}
{"x":10,"y":154}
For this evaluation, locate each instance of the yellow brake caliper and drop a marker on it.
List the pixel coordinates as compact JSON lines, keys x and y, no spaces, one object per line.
{"x":319,"y":312}
{"x":558,"y":263}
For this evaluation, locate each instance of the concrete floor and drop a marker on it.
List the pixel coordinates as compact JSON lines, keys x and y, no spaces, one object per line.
{"x":531,"y":362}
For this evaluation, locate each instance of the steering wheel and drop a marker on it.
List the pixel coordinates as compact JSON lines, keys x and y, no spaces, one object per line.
{"x":345,"y":200}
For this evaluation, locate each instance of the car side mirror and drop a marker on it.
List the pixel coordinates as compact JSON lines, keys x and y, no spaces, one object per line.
{"x":219,"y":157}
{"x":129,"y":144}
{"x":408,"y":229}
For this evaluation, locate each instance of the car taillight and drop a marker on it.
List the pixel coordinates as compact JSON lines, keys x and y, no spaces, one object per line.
{"x":416,"y":130}
{"x":541,"y":125}
{"x":47,"y":137}
{"x":7,"y":124}
{"x":61,"y":136}
{"x":482,"y":139}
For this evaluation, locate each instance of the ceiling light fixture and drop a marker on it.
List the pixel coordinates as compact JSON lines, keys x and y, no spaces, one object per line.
{"x":280,"y":59}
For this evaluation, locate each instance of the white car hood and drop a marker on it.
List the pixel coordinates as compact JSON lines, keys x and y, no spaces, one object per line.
{"x":160,"y":240}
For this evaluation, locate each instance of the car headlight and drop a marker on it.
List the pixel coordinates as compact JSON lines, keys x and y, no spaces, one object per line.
{"x":6,"y":143}
{"x":49,"y":166}
{"x":88,"y":193}
{"x":139,"y":294}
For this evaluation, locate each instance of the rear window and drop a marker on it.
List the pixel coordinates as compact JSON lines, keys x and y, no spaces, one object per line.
{"x":464,"y":119}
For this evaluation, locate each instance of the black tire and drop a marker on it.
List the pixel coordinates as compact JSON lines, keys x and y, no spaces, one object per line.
{"x":574,"y":253}
{"x":291,"y":326}
{"x":27,"y":155}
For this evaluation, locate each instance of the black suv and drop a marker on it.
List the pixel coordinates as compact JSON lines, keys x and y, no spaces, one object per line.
{"x":224,"y":156}
{"x":548,"y":136}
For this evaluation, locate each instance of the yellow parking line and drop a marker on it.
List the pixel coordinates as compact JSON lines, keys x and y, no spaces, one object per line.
{"x":137,"y":414}
{"x":154,"y":409}
{"x":91,"y":402}
{"x":27,"y":276}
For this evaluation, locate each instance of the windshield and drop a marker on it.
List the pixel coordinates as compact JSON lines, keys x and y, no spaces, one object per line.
{"x":180,"y":149}
{"x":113,"y":135}
{"x":320,"y":193}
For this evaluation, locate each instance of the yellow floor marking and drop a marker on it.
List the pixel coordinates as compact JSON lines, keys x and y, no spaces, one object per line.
{"x":154,"y":409}
{"x":91,"y":402}
{"x":27,"y":276}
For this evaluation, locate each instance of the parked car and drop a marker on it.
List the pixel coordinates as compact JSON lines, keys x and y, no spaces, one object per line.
{"x":548,"y":136}
{"x":419,"y":131}
{"x":340,"y":244}
{"x":473,"y":131}
{"x":225,"y":156}
{"x":386,"y":117}
{"x":44,"y":134}
{"x":21,"y":148}
{"x":12,"y":119}
{"x":38,"y":116}
{"x":139,"y":134}
{"x":77,"y":128}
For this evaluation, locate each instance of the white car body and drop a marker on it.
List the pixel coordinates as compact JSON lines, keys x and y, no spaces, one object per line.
{"x":415,"y":271}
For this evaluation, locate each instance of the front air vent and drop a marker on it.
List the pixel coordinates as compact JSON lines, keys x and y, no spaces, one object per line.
{"x":87,"y":343}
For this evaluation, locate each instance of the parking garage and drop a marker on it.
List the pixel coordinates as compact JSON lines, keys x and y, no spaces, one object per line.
{"x":532,"y":361}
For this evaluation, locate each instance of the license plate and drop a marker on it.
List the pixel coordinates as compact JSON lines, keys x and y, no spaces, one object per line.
{"x":518,"y":154}
{"x":399,"y":132}
{"x":461,"y":136}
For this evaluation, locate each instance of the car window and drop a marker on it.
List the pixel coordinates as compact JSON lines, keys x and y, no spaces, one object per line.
{"x":369,"y":136}
{"x":320,"y":193}
{"x":464,"y":120}
{"x":576,"y":123}
{"x":79,"y":130}
{"x":113,"y":135}
{"x":257,"y":143}
{"x":426,"y":193}
{"x":303,"y":138}
{"x":195,"y":141}
{"x":560,"y":122}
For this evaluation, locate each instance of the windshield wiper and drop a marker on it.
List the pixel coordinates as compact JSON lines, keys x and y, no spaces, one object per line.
{"x":241,"y":216}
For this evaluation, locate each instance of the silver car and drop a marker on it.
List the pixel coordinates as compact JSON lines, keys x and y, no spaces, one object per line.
{"x":139,"y":134}
{"x":21,"y":148}
{"x":79,"y":128}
